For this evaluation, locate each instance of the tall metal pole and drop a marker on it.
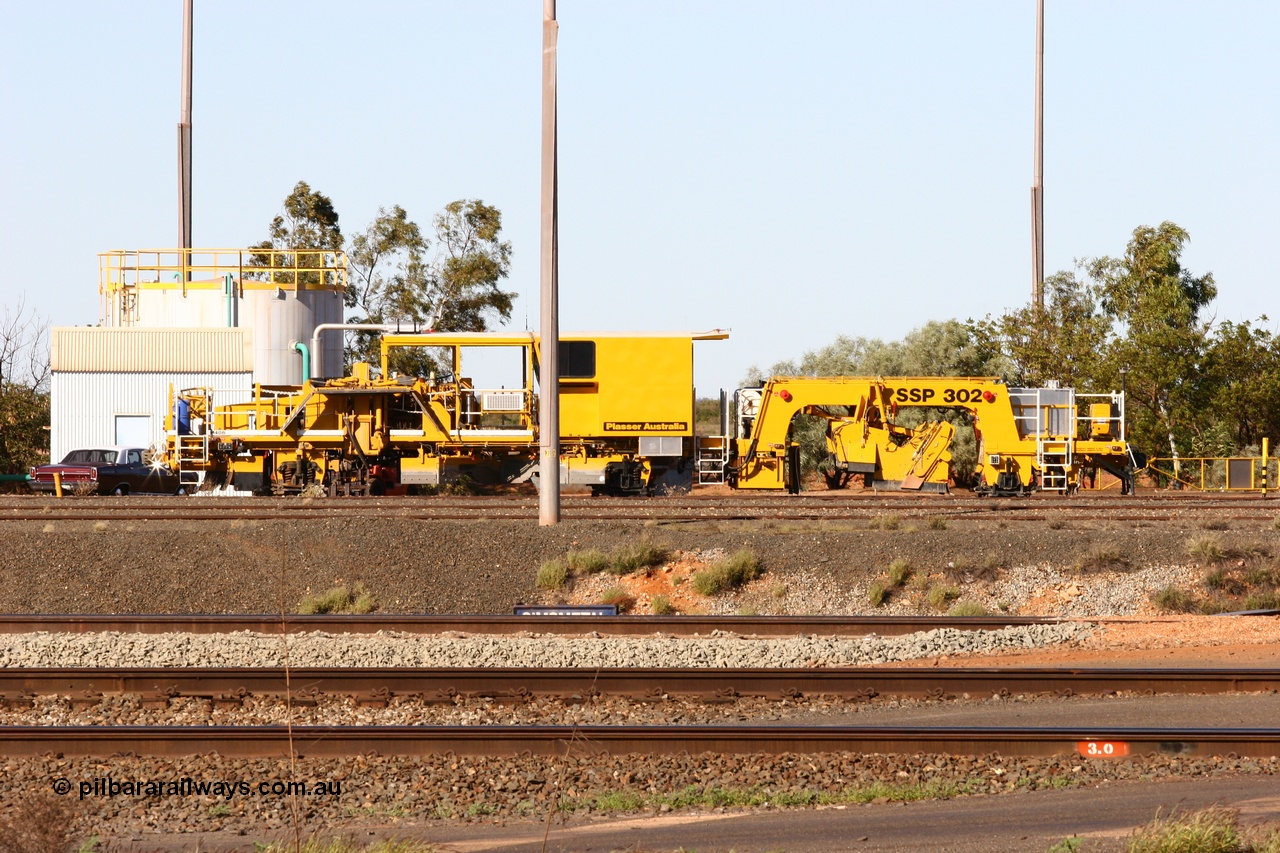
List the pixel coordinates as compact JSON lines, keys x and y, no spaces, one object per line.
{"x":184,"y":137}
{"x":1037,"y":186}
{"x":549,"y":325}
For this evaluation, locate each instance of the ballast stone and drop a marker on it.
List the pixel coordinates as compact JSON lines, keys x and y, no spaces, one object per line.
{"x":722,"y":651}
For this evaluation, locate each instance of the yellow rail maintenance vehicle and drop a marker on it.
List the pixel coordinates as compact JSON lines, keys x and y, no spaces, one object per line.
{"x":1029,"y":439}
{"x":626,"y":418}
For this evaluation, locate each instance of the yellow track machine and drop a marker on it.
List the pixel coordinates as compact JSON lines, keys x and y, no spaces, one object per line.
{"x":626,"y":419}
{"x":1028,"y":438}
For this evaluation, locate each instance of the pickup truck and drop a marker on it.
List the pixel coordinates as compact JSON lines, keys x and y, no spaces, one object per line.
{"x":107,"y":471}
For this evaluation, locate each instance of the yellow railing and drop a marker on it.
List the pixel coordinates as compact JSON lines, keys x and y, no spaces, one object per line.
{"x":206,"y":269}
{"x":1216,"y":473}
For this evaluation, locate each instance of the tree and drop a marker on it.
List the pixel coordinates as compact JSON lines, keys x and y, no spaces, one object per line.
{"x":1242,"y":377}
{"x":308,"y":224}
{"x":1155,"y":306}
{"x":391,"y":279}
{"x":457,"y":291}
{"x":1063,"y":342}
{"x":24,"y":390}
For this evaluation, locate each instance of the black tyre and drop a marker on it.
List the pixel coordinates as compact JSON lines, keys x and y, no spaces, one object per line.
{"x":120,"y":490}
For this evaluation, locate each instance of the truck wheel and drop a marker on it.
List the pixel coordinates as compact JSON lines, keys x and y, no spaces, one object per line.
{"x":121,"y":490}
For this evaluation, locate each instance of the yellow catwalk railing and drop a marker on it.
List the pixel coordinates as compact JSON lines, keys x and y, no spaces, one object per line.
{"x":207,"y":269}
{"x":1216,"y":473}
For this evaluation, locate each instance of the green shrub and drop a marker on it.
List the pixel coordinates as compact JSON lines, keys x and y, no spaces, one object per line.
{"x":635,"y":556}
{"x":942,"y":595}
{"x":1275,"y":523}
{"x":588,"y":561}
{"x":339,"y":599}
{"x":937,"y":522}
{"x":553,"y":574}
{"x":877,"y":593}
{"x":729,"y":573}
{"x":968,"y":608}
{"x":619,"y":596}
{"x":662,"y":605}
{"x":891,"y":521}
{"x":899,"y":571}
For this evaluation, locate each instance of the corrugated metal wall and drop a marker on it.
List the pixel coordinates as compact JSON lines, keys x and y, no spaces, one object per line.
{"x":100,"y":374}
{"x":85,"y":404}
{"x":151,"y":350}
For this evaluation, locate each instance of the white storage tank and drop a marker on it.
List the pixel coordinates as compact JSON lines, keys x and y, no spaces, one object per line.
{"x":280,"y":295}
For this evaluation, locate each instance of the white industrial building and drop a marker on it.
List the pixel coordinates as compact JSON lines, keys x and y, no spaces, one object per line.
{"x":172,"y":320}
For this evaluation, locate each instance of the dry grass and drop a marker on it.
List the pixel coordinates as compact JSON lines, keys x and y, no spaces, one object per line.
{"x":588,"y":561}
{"x":347,"y":845}
{"x":733,"y":571}
{"x":41,"y":822}
{"x":339,"y":599}
{"x":877,"y":593}
{"x":899,"y":571}
{"x":1213,"y":830}
{"x":552,"y":575}
{"x":1208,"y":550}
{"x":662,"y":606}
{"x":968,"y":608}
{"x":1103,"y":557}
{"x":636,"y":556}
{"x":942,"y":595}
{"x":890,"y":521}
{"x":937,"y":522}
{"x":619,"y":596}
{"x":1170,"y":599}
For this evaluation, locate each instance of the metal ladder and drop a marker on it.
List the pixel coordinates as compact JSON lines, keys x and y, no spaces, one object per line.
{"x":1054,"y":461}
{"x":710,"y":455}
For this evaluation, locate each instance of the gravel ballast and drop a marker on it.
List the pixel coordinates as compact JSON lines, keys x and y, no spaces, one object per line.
{"x":487,"y":566}
{"x":398,"y":793}
{"x":719,"y":650}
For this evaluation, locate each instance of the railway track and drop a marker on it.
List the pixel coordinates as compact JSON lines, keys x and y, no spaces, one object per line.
{"x":230,"y":684}
{"x":681,"y":625}
{"x":830,"y":506}
{"x":331,"y":741}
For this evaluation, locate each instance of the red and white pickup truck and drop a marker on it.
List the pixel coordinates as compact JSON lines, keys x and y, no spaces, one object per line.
{"x":107,"y":471}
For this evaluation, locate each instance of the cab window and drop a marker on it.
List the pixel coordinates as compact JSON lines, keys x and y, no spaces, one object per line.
{"x":577,"y":359}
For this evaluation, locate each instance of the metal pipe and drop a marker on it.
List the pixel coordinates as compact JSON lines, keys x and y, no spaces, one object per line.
{"x":230,"y":291}
{"x":349,"y":327}
{"x":549,"y":324}
{"x":306,"y":359}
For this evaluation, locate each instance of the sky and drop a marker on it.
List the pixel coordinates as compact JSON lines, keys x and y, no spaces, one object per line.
{"x":790,"y":171}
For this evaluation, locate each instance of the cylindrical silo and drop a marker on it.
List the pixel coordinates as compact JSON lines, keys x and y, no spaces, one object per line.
{"x":282,"y":296}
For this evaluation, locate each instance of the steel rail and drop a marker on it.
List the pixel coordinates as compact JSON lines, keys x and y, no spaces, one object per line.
{"x":680,"y":625}
{"x":332,"y":741}
{"x":517,"y":684}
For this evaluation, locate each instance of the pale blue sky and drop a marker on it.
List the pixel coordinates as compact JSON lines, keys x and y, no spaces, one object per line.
{"x":792,"y":170}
